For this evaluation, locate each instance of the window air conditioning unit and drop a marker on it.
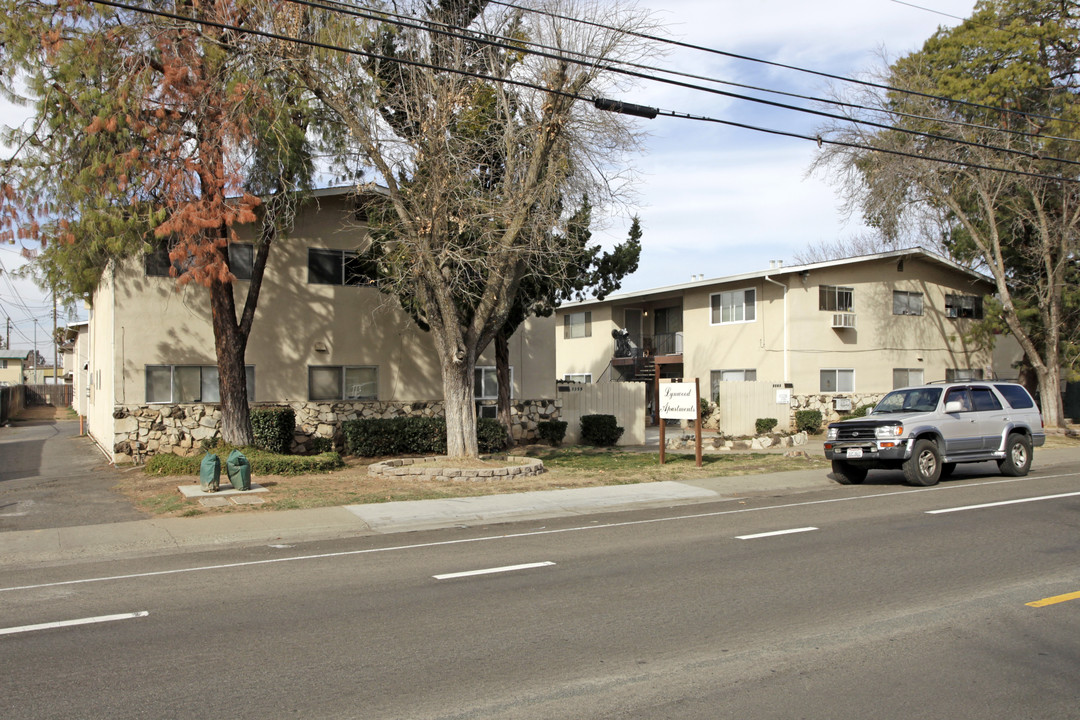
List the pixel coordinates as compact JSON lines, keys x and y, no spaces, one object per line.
{"x":843,"y":320}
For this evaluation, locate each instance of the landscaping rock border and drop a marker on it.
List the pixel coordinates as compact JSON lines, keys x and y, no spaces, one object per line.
{"x":401,"y":467}
{"x":721,"y":444}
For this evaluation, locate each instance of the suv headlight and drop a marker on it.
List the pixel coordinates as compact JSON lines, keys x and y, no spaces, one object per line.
{"x":832,"y":434}
{"x":888,"y":432}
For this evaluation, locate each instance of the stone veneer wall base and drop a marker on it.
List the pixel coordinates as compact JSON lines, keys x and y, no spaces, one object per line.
{"x":183,"y":429}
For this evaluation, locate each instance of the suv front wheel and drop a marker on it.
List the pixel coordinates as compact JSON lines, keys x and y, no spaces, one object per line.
{"x":924,"y":465}
{"x":1017,"y":459}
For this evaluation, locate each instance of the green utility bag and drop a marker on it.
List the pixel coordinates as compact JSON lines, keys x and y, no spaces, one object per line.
{"x":210,"y":473}
{"x":239,"y":470}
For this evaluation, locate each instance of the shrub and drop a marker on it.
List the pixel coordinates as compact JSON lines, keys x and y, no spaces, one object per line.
{"x":600,"y":430}
{"x":862,"y":410}
{"x":764,"y":426}
{"x":261,"y":461}
{"x":319,"y":445}
{"x":272,"y":428}
{"x":808,"y":421}
{"x":414,"y":436}
{"x":552,"y":431}
{"x":490,"y":435}
{"x":370,"y":437}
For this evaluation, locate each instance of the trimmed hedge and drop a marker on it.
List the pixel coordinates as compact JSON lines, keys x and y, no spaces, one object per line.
{"x":764,"y":426}
{"x":272,"y":428}
{"x":553,"y":431}
{"x":808,"y":421}
{"x":600,"y":430}
{"x":371,"y":437}
{"x":261,"y":461}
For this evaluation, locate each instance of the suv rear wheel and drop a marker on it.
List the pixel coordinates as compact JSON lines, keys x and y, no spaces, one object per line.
{"x":848,"y":474}
{"x":1017,"y":459}
{"x":924,"y":465}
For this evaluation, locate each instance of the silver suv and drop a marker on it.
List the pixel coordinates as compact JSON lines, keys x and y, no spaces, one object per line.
{"x":926,"y":430}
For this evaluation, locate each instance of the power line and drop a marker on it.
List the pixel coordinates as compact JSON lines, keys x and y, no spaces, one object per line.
{"x":840,"y":143}
{"x":929,"y":10}
{"x":520,"y":83}
{"x":560,"y":54}
{"x":772,"y":63}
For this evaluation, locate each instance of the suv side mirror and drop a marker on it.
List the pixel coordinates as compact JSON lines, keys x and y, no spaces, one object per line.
{"x":954,"y":406}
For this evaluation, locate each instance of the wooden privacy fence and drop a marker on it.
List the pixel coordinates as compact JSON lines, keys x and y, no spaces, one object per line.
{"x":740,"y":404}
{"x":55,"y":395}
{"x":624,"y":400}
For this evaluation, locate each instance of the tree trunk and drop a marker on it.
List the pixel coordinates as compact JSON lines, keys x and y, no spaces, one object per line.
{"x":502,"y":375}
{"x":231,"y":348}
{"x":460,"y":408}
{"x":1050,"y":401}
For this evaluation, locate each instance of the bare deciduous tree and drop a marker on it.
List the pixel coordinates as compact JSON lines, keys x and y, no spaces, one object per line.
{"x":482,"y":148}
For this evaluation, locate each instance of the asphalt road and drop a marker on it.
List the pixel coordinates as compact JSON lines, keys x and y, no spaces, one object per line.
{"x":51,"y":477}
{"x":851,"y":602}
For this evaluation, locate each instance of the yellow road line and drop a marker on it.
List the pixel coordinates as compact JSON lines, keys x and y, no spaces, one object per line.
{"x":1054,"y":600}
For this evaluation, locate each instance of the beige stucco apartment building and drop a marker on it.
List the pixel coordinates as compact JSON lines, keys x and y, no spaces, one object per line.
{"x":322,"y":342}
{"x":832,"y":333}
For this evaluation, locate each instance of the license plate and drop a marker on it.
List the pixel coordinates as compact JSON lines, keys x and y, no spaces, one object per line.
{"x":854,"y":452}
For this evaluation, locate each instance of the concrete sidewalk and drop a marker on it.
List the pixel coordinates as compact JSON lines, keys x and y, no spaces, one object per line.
{"x":158,"y":536}
{"x":161,"y":536}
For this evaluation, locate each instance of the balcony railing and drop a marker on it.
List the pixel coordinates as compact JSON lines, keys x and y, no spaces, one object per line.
{"x":651,"y":345}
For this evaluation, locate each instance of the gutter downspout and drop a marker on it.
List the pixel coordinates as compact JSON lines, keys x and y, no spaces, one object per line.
{"x":787,"y":367}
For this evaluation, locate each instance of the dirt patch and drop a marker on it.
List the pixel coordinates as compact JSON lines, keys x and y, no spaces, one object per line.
{"x":43,"y":412}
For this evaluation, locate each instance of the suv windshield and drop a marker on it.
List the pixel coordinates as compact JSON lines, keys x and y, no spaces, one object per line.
{"x":911,"y":400}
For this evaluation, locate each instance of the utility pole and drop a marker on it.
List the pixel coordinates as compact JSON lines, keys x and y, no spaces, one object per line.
{"x":55,"y":343}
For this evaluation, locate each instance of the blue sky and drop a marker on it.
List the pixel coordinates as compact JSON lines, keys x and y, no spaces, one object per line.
{"x":712,"y":199}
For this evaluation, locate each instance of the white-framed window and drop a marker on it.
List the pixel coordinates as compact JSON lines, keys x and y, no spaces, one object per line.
{"x":837,"y":380}
{"x":836,"y":299}
{"x":338,"y":267}
{"x":584,"y":378}
{"x":486,"y":382}
{"x":577,"y":325}
{"x":188,"y":383}
{"x":343,"y":382}
{"x":721,"y":376}
{"x":964,"y":306}
{"x":733,"y":306}
{"x":963,"y":374}
{"x":906,"y":377}
{"x":907,"y":303}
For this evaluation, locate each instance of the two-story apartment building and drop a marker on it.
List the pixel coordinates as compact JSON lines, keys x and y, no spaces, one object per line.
{"x":324,"y":341}
{"x":839,"y":329}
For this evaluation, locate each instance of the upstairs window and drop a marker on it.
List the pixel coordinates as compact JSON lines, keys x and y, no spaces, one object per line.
{"x":906,"y":303}
{"x":964,"y":306}
{"x":735,"y":306}
{"x":577,"y":325}
{"x":338,"y":267}
{"x":241,"y":260}
{"x":836,"y":299}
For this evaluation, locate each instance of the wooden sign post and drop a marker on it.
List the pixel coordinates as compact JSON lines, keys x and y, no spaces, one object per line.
{"x":680,"y":401}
